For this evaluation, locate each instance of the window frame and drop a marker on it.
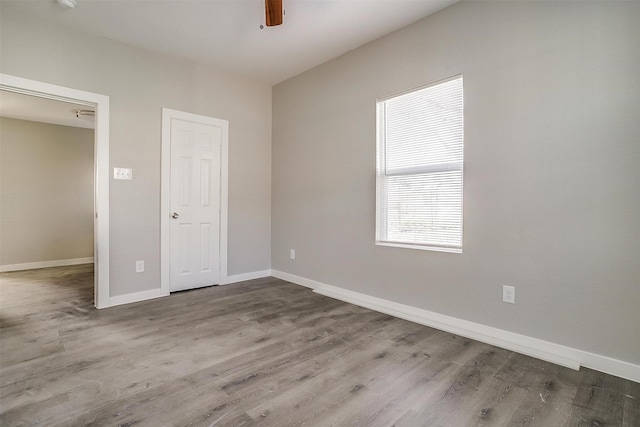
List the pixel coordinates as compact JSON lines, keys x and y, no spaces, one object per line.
{"x":382,"y":174}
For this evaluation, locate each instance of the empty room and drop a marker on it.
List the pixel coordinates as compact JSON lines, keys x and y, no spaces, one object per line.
{"x":319,"y":213}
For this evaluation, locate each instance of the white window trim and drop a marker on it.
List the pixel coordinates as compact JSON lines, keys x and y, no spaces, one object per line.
{"x":382,"y":172}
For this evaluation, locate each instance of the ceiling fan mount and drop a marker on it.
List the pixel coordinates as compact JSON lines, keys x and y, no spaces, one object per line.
{"x":273,"y":12}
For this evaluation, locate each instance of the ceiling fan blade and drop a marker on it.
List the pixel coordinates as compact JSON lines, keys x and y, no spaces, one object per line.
{"x":273,"y":10}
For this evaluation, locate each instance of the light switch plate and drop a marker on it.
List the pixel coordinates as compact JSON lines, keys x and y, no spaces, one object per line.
{"x":123,"y":173}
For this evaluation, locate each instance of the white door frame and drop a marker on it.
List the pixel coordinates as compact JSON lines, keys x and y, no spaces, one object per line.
{"x":165,"y":193}
{"x":101,"y":167}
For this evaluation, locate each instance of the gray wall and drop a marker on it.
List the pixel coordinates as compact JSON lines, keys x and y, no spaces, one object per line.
{"x":46,"y":192}
{"x":552,"y":173}
{"x":139,"y":84}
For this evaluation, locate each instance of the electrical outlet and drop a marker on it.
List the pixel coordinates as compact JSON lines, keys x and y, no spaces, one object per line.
{"x":292,"y":254}
{"x":139,"y":266}
{"x":509,"y":294}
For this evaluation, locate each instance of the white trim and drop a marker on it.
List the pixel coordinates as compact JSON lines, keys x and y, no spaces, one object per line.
{"x":101,"y":167}
{"x":611,"y":366}
{"x":137,"y":296}
{"x":224,"y":201}
{"x":45,"y":264}
{"x":157,"y":293}
{"x":534,"y":347}
{"x":165,"y":202}
{"x":246,"y":276}
{"x":445,"y":249}
{"x":298,"y":280}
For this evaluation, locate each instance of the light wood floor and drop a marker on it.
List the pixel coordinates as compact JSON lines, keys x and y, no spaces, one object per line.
{"x":267,"y":352}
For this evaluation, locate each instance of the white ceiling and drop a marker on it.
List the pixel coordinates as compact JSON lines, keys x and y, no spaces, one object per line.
{"x":36,"y":109}
{"x":226,"y":34}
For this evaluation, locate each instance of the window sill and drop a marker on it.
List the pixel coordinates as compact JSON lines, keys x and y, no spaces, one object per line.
{"x":420,"y":247}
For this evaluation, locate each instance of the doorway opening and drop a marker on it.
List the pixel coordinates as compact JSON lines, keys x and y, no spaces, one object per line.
{"x":99,"y":104}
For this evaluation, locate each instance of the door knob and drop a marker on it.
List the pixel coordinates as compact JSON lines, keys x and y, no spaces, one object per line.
{"x":175,"y":215}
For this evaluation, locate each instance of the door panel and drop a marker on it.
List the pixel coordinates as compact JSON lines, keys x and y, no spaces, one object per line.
{"x":195,"y":200}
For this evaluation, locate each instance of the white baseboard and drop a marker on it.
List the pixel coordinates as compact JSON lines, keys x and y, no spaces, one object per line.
{"x":534,"y":347}
{"x":45,"y":264}
{"x":157,"y":293}
{"x":137,"y":296}
{"x":245,"y":276}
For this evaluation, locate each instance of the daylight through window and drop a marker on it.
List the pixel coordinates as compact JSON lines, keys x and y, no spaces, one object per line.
{"x":419,"y":168}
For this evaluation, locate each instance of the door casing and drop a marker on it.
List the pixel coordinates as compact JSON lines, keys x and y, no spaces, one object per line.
{"x":165,"y":192}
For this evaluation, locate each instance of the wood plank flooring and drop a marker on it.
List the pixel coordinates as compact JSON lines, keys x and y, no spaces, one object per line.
{"x":267,"y":353}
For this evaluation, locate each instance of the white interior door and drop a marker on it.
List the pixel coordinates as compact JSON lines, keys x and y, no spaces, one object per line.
{"x":195,"y":204}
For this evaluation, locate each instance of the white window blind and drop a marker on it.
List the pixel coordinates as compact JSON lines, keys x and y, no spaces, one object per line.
{"x":419,"y":168}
